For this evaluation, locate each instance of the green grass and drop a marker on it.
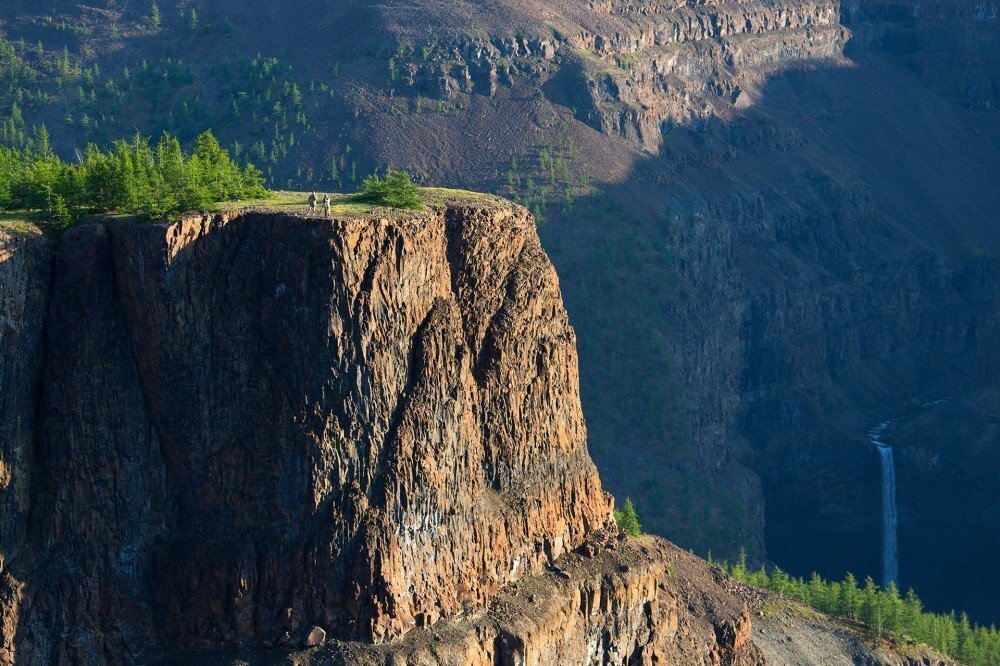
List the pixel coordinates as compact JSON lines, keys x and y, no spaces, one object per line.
{"x":23,"y":222}
{"x":295,"y":203}
{"x":435,"y":194}
{"x":345,"y":205}
{"x":342,"y":205}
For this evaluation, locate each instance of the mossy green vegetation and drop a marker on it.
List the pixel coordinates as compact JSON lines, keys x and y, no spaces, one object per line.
{"x":884,"y":612}
{"x":132,"y":177}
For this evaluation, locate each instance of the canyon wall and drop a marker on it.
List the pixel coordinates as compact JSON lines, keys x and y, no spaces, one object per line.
{"x":817,"y":179}
{"x":238,"y":426}
{"x":775,"y":224}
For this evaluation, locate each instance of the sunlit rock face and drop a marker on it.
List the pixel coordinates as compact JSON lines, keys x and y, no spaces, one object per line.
{"x":236,"y":426}
{"x":789,"y":232}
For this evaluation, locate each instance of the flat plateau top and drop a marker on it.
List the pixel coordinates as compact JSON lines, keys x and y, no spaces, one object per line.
{"x":344,"y":205}
{"x":21,"y":223}
{"x":293,"y":203}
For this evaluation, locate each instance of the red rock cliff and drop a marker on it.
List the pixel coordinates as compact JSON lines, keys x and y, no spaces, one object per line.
{"x":232,"y":437}
{"x":255,"y":423}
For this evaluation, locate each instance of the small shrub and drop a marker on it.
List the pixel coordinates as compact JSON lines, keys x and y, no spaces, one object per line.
{"x":396,"y":190}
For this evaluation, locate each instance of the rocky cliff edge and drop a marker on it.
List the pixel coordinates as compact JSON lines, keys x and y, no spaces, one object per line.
{"x":256,"y":431}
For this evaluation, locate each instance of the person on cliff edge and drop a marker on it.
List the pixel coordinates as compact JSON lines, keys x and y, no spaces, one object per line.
{"x":312,"y":203}
{"x":326,"y":205}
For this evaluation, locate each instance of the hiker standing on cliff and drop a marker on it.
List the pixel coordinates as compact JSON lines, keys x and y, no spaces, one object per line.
{"x":326,"y":205}
{"x":312,"y":203}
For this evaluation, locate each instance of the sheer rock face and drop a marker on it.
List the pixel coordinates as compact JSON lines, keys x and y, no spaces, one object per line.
{"x":251,"y":424}
{"x":24,"y":283}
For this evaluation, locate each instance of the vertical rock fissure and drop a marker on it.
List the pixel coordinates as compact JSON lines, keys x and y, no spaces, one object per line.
{"x":414,"y":368}
{"x":145,"y":384}
{"x":457,"y":267}
{"x":35,"y":464}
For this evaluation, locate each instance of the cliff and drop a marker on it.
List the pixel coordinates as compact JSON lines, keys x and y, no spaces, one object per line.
{"x":251,"y":423}
{"x":743,"y":200}
{"x":235,"y":429}
{"x":235,"y":436}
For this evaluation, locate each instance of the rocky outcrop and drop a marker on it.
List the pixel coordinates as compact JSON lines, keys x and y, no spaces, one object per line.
{"x":615,"y":602}
{"x":255,"y":437}
{"x":254,"y":424}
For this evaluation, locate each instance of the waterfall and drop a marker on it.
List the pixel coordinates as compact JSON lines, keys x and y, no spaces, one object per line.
{"x":890,"y":545}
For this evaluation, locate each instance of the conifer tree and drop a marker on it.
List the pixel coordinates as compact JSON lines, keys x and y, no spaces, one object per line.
{"x":893,"y":609}
{"x":396,"y":190}
{"x":963,"y":639}
{"x":778,"y":580}
{"x":817,"y":591}
{"x":627,"y":519}
{"x":912,"y":608}
{"x":42,"y":142}
{"x":740,"y":568}
{"x":849,"y":596}
{"x":869,"y":604}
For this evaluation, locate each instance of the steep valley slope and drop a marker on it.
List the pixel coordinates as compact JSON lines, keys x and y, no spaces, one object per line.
{"x":776,"y":224}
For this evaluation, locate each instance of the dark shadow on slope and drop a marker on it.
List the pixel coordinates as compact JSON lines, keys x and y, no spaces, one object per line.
{"x":844,"y":239}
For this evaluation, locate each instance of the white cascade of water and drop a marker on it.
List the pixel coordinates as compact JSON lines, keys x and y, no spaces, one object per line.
{"x":890,"y":516}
